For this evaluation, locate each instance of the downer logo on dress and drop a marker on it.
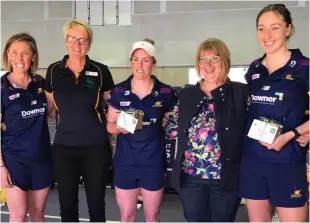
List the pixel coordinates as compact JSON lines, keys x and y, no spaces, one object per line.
{"x":33,"y":112}
{"x":265,"y":99}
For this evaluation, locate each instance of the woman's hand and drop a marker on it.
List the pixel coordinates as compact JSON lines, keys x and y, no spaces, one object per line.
{"x":121,"y":130}
{"x":165,"y":119}
{"x":303,"y":140}
{"x":5,"y":178}
{"x":3,"y":126}
{"x":279,"y":142}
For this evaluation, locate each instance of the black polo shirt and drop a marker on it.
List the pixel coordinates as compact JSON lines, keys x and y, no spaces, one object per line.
{"x":79,"y":102}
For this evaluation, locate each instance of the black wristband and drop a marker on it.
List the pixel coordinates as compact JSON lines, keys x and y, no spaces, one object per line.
{"x":296,"y":133}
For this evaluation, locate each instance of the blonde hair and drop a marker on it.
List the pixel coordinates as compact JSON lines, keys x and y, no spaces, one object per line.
{"x":221,"y":50}
{"x":21,"y":37}
{"x":78,"y":24}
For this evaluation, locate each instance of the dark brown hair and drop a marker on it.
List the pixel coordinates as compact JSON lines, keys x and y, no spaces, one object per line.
{"x":278,"y":9}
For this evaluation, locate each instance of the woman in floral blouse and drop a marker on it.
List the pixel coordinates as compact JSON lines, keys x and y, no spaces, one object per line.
{"x":209,"y":122}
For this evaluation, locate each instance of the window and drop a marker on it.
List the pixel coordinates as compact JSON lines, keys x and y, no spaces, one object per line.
{"x":102,"y":13}
{"x":236,"y":73}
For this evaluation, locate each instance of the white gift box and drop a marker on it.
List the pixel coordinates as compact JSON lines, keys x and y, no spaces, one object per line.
{"x":264,"y":131}
{"x":127,"y":121}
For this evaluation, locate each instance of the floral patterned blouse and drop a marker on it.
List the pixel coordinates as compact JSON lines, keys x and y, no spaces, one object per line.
{"x":201,"y":158}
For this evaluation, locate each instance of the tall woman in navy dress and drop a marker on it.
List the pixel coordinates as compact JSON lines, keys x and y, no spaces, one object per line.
{"x":140,"y":157}
{"x":275,"y":174}
{"x":26,"y":170}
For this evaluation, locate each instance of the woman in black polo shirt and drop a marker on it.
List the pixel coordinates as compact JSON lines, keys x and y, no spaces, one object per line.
{"x":76,"y":86}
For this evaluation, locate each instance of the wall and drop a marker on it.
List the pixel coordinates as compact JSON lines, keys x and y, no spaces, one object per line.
{"x":177,"y":32}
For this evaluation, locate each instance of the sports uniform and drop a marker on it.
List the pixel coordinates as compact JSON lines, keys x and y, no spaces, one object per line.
{"x":140,"y":157}
{"x":26,"y":148}
{"x":279,"y":176}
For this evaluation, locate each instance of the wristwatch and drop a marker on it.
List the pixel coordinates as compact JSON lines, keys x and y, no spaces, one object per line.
{"x":296,"y":133}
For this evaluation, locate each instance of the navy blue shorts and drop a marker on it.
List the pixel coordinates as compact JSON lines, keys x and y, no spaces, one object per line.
{"x":29,"y":175}
{"x":129,"y":179}
{"x":283,"y":184}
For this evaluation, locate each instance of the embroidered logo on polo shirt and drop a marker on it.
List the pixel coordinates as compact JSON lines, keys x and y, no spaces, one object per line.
{"x":91,"y":83}
{"x":255,"y":76}
{"x":288,"y":77}
{"x":14,"y":96}
{"x":157,"y":104}
{"x":296,"y":194}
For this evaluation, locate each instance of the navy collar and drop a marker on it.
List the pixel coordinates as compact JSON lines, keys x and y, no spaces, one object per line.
{"x":7,"y":84}
{"x":292,"y":62}
{"x":62,"y":64}
{"x":155,"y":90}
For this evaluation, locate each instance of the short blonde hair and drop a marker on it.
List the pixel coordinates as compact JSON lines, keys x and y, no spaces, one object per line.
{"x":23,"y":37}
{"x":79,"y":24}
{"x":221,"y":50}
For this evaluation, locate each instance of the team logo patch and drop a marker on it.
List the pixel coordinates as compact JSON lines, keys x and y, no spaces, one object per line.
{"x":125,"y":103}
{"x":255,"y":76}
{"x":289,"y":77}
{"x":158,"y":104}
{"x":40,"y":90}
{"x":296,"y":194}
{"x":14,"y":96}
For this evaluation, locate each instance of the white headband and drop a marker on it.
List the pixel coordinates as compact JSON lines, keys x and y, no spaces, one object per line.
{"x":148,"y":47}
